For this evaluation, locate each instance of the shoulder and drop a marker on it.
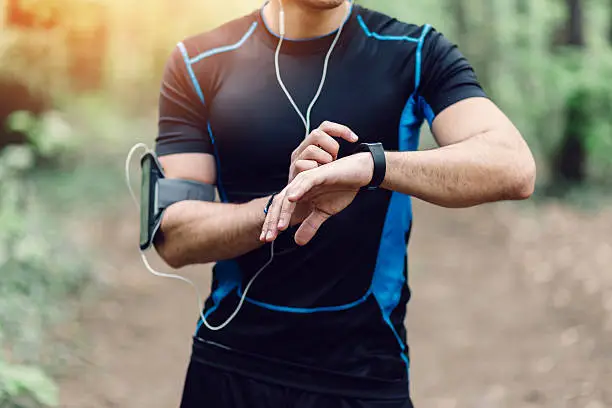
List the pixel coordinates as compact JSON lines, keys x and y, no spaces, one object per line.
{"x":428,"y":44}
{"x":228,"y":34}
{"x":183,"y":67}
{"x":384,"y":27}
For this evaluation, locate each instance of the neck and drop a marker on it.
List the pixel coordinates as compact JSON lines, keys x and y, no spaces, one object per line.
{"x":302,"y":21}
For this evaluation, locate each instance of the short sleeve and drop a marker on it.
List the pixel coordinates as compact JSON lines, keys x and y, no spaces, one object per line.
{"x":183,"y":121}
{"x":446,"y":75}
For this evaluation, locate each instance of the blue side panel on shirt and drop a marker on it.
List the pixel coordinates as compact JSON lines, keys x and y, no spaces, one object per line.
{"x":427,"y":110}
{"x":389,"y":280}
{"x":410,"y":125}
{"x":227,"y":275}
{"x":389,"y":272}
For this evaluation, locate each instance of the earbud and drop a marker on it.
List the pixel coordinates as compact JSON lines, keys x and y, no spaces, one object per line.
{"x":281,"y":23}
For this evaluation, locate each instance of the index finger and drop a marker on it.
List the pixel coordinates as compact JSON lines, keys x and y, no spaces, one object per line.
{"x":320,"y":139}
{"x":338,"y":130}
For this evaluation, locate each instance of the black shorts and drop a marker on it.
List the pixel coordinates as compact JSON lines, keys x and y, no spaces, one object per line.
{"x":210,"y":387}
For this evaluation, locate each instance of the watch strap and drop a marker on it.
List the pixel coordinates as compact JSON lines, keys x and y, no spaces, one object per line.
{"x":380,"y":163}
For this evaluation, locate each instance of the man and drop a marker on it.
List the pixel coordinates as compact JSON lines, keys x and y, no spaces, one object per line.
{"x":323,"y":326}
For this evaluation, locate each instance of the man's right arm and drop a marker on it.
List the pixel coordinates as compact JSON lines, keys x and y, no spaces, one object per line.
{"x":195,"y":232}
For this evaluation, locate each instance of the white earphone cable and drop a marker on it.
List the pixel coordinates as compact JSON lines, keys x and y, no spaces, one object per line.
{"x":305,"y":120}
{"x":128,"y":161}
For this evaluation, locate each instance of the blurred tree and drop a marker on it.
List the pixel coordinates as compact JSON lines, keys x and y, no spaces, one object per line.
{"x":570,"y":163}
{"x":459,"y":13}
{"x":87,"y":42}
{"x":575,"y":23}
{"x":491,"y":44}
{"x":610,"y":22}
{"x":22,"y":98}
{"x":522,"y":7}
{"x":32,"y":14}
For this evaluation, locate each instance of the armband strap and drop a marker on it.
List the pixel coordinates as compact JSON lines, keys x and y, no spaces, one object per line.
{"x":158,"y":193}
{"x":174,"y":190}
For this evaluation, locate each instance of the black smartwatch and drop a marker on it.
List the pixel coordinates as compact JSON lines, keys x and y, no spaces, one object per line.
{"x":380,"y":163}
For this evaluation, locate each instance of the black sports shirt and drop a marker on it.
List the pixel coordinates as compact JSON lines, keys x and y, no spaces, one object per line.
{"x":328,"y":316}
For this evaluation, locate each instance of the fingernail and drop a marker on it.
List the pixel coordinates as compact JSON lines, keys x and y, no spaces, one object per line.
{"x":355,"y":137}
{"x":269,"y":236}
{"x":263,"y":234}
{"x":281,"y":224}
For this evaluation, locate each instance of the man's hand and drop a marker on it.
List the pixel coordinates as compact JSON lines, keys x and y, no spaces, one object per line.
{"x":319,"y":148}
{"x":326,"y":190}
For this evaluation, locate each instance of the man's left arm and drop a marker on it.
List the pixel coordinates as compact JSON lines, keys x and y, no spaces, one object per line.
{"x":482,"y":158}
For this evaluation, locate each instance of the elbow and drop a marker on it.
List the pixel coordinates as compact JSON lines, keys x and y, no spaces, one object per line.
{"x":523,"y":180}
{"x":174,"y":262}
{"x":168,"y":242}
{"x":170,"y":255}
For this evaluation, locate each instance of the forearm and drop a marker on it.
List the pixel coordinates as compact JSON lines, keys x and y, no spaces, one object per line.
{"x":197,"y":232}
{"x":478,"y":170}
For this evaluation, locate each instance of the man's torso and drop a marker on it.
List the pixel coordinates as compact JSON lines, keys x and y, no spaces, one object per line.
{"x":332,"y":310}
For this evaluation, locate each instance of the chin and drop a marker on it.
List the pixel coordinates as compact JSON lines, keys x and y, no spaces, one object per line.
{"x":323,"y":4}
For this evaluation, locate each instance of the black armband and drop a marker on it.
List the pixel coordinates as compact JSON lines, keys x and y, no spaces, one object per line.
{"x":157,"y":193}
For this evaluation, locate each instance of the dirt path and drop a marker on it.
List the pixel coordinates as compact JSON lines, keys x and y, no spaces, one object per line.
{"x":509,"y":309}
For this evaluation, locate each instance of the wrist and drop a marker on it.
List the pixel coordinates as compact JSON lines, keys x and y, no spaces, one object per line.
{"x":258,"y":205}
{"x":385,"y":183}
{"x":365,"y":164}
{"x":269,"y":204}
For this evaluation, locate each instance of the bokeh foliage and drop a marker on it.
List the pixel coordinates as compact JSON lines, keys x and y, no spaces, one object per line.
{"x":40,"y":272}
